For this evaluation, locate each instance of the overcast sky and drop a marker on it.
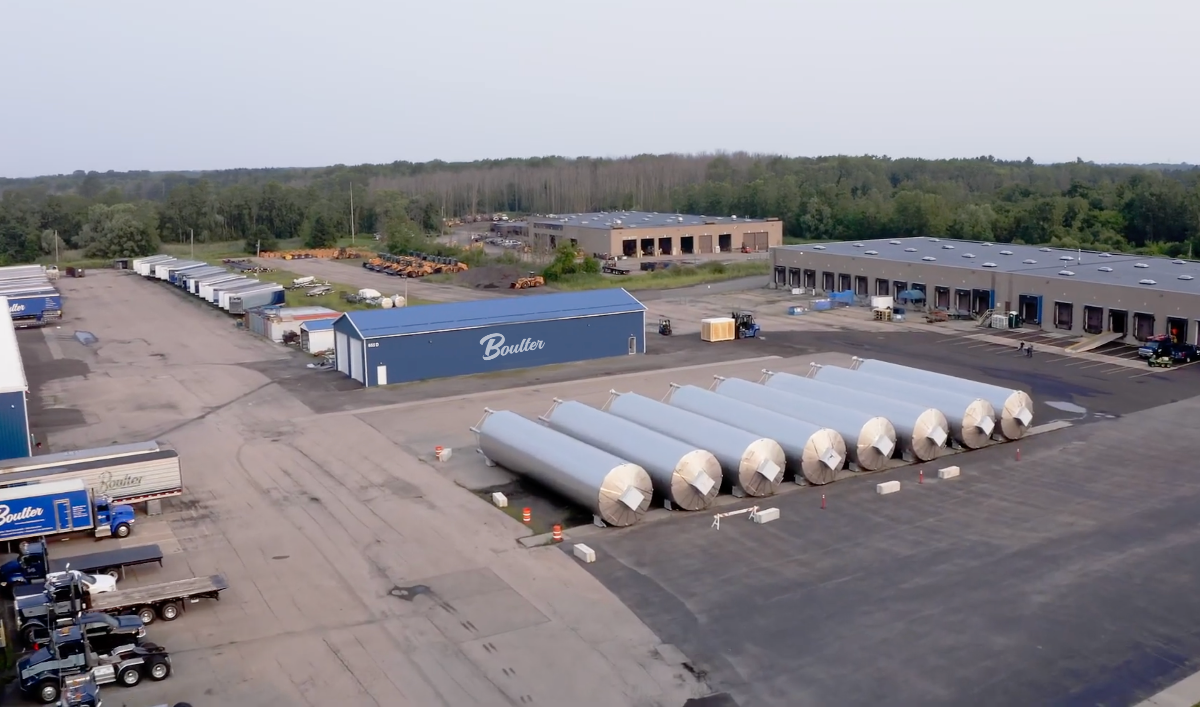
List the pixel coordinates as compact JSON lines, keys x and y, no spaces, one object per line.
{"x":140,"y":84}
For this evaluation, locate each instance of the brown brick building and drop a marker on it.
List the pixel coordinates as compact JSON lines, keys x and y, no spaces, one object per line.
{"x":638,"y":234}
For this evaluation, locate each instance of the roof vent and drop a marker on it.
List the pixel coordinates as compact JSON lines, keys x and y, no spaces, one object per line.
{"x":935,"y":240}
{"x":818,"y":247}
{"x":910,"y":250}
{"x":1186,"y":277}
{"x":893,"y":242}
{"x":1006,"y":252}
{"x":948,"y":247}
{"x":968,"y":255}
{"x":929,"y":258}
{"x":870,"y":252}
{"x":1067,"y":273}
{"x":1147,"y":282}
{"x":1030,"y":261}
{"x":859,"y":245}
{"x":1044,"y":250}
{"x":1065,"y":257}
{"x":1105,"y":255}
{"x":1105,"y":269}
{"x":1177,"y":262}
{"x":1140,"y":265}
{"x":987,"y":245}
{"x":989,"y":265}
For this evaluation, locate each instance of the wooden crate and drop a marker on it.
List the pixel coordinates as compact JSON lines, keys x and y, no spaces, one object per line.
{"x":717,"y":329}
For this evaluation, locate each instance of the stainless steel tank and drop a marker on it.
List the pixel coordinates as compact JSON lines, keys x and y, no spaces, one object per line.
{"x":685,"y":475}
{"x":754,"y":464}
{"x":972,"y":419}
{"x":814,"y":452}
{"x":869,"y":440}
{"x":921,"y":431}
{"x":1014,"y":408}
{"x":617,"y":491}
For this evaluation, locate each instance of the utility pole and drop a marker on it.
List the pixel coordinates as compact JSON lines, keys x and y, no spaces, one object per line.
{"x":56,"y":248}
{"x":351,"y":213}
{"x":192,"y":238}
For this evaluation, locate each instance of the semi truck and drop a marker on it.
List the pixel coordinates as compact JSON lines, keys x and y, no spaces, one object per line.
{"x":143,"y":605}
{"x":56,"y":507}
{"x":33,"y":563}
{"x":40,"y":675}
{"x":125,"y":473}
{"x":34,"y":307}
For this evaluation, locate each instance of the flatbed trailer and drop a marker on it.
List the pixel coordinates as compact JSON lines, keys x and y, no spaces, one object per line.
{"x":32,"y":566}
{"x":165,"y":601}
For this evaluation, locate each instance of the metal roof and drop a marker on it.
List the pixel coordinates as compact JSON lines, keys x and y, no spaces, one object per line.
{"x":317,"y":324}
{"x":636,"y":219}
{"x":12,"y":369}
{"x":423,"y":319}
{"x":1148,"y":272}
{"x":70,"y":457}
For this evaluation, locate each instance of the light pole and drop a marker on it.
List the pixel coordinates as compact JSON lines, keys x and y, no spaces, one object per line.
{"x":192,"y":239}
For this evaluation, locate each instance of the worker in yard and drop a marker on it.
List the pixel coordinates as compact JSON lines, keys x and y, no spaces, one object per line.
{"x":1029,"y":351}
{"x":1021,"y":347}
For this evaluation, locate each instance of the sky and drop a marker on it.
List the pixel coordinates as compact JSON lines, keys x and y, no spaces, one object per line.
{"x":152,"y":85}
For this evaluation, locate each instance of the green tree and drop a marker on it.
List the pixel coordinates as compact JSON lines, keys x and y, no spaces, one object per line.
{"x":120,"y":231}
{"x":323,"y":228}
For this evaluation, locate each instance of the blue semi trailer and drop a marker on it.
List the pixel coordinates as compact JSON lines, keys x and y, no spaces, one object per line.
{"x":34,"y":307}
{"x":38,"y":510}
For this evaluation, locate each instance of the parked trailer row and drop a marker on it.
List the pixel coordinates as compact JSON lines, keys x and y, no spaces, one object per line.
{"x":232,"y":292}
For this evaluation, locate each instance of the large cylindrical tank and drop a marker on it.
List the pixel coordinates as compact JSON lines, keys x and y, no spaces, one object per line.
{"x":869,"y":440}
{"x":617,"y":491}
{"x":921,"y":431}
{"x":1014,"y":408}
{"x":753,"y":463}
{"x":971,"y":418}
{"x":685,"y":475}
{"x":815,"y":452}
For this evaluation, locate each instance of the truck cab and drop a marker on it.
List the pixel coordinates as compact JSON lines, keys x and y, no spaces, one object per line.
{"x":112,"y":519}
{"x":40,"y":675}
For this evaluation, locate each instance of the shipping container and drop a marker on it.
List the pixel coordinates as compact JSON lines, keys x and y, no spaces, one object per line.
{"x":383,"y":346}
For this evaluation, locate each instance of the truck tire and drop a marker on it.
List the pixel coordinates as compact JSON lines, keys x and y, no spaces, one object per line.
{"x":47,"y":692}
{"x":146,"y":614}
{"x":159,"y":670}
{"x":122,"y":530}
{"x":114,"y":572}
{"x":130,"y":676}
{"x":31,"y":633}
{"x":169,"y":611}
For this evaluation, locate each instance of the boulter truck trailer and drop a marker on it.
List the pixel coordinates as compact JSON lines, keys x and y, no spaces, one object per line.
{"x":32,"y":563}
{"x":125,"y":473}
{"x":57,"y":507}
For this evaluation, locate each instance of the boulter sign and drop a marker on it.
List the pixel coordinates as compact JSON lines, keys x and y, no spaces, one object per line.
{"x":493,"y":346}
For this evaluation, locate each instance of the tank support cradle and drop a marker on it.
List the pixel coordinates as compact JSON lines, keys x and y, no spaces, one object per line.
{"x":718,"y":516}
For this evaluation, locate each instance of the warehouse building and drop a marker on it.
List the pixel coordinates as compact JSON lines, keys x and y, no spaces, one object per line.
{"x":638,"y":234}
{"x":384,"y":346}
{"x":1129,"y":297}
{"x":14,"y":408}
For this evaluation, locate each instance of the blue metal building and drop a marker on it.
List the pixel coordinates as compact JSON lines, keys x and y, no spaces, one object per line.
{"x":384,"y":346}
{"x":14,"y":410}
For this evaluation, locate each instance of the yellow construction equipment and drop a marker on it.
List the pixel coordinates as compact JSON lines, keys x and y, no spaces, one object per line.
{"x":532,"y":280}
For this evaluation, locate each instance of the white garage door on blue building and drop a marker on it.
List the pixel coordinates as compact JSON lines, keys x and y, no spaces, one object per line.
{"x":386,"y":346}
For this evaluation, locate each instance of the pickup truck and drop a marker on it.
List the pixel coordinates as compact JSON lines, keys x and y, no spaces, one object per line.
{"x":32,"y":564}
{"x":40,"y":675}
{"x":1180,"y":353}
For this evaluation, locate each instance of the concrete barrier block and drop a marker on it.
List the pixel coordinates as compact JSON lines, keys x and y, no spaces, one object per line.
{"x":766,"y":515}
{"x":887,"y":487}
{"x":583,"y":553}
{"x":500,"y":500}
{"x":445,"y":454}
{"x":949,"y":472}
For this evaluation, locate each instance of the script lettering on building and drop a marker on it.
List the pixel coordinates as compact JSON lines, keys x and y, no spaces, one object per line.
{"x":493,"y":346}
{"x":110,"y":483}
{"x":17,"y":308}
{"x":7,"y":516}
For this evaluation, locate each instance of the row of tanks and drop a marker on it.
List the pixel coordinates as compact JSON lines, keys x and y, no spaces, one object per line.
{"x":744,"y":435}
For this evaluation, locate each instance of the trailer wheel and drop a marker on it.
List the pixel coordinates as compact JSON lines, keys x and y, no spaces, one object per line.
{"x":146,"y":614}
{"x":160,"y":670}
{"x":123,"y":530}
{"x":114,"y":572}
{"x":169,"y":611}
{"x":48,"y":692}
{"x":130,"y":676}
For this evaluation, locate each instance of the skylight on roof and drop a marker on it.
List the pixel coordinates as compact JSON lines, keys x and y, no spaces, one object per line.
{"x":1105,"y":255}
{"x":1186,"y":277}
{"x":948,"y":247}
{"x":1140,"y":265}
{"x":1147,"y":282}
{"x":859,"y":245}
{"x":1006,"y":252}
{"x":1177,"y":262}
{"x":989,"y":265}
{"x":1044,"y":250}
{"x":987,"y":245}
{"x":1105,"y":269}
{"x":1067,"y":273}
{"x":1030,"y":261}
{"x":968,"y":255}
{"x":870,"y":252}
{"x":818,"y":247}
{"x":910,"y":250}
{"x":893,"y":242}
{"x":935,"y":240}
{"x":1065,"y":257}
{"x":929,"y":258}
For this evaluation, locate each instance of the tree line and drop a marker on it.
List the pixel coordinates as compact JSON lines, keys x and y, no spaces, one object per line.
{"x":1079,"y":204}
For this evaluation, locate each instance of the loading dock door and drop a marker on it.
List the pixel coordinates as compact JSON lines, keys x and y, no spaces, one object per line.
{"x":1093,"y":319}
{"x":810,"y":279}
{"x":794,"y":279}
{"x":1118,"y":321}
{"x":962,"y":300}
{"x":341,"y":352}
{"x":827,"y":281}
{"x":1064,"y":315}
{"x":1177,"y":327}
{"x":780,"y":275}
{"x":761,"y":244}
{"x":356,"y":361}
{"x":943,"y":297}
{"x":882,"y":286}
{"x":1143,"y":326}
{"x":860,"y":285}
{"x":706,"y":243}
{"x":1030,"y":307}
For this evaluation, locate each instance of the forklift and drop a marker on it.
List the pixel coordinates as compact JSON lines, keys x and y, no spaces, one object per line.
{"x":664,"y":326}
{"x":744,"y":326}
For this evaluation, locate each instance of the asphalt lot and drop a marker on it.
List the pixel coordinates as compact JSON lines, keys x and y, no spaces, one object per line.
{"x":1064,"y":579}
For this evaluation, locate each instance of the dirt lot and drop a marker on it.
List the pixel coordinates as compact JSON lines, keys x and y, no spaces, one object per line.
{"x":359,"y":574}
